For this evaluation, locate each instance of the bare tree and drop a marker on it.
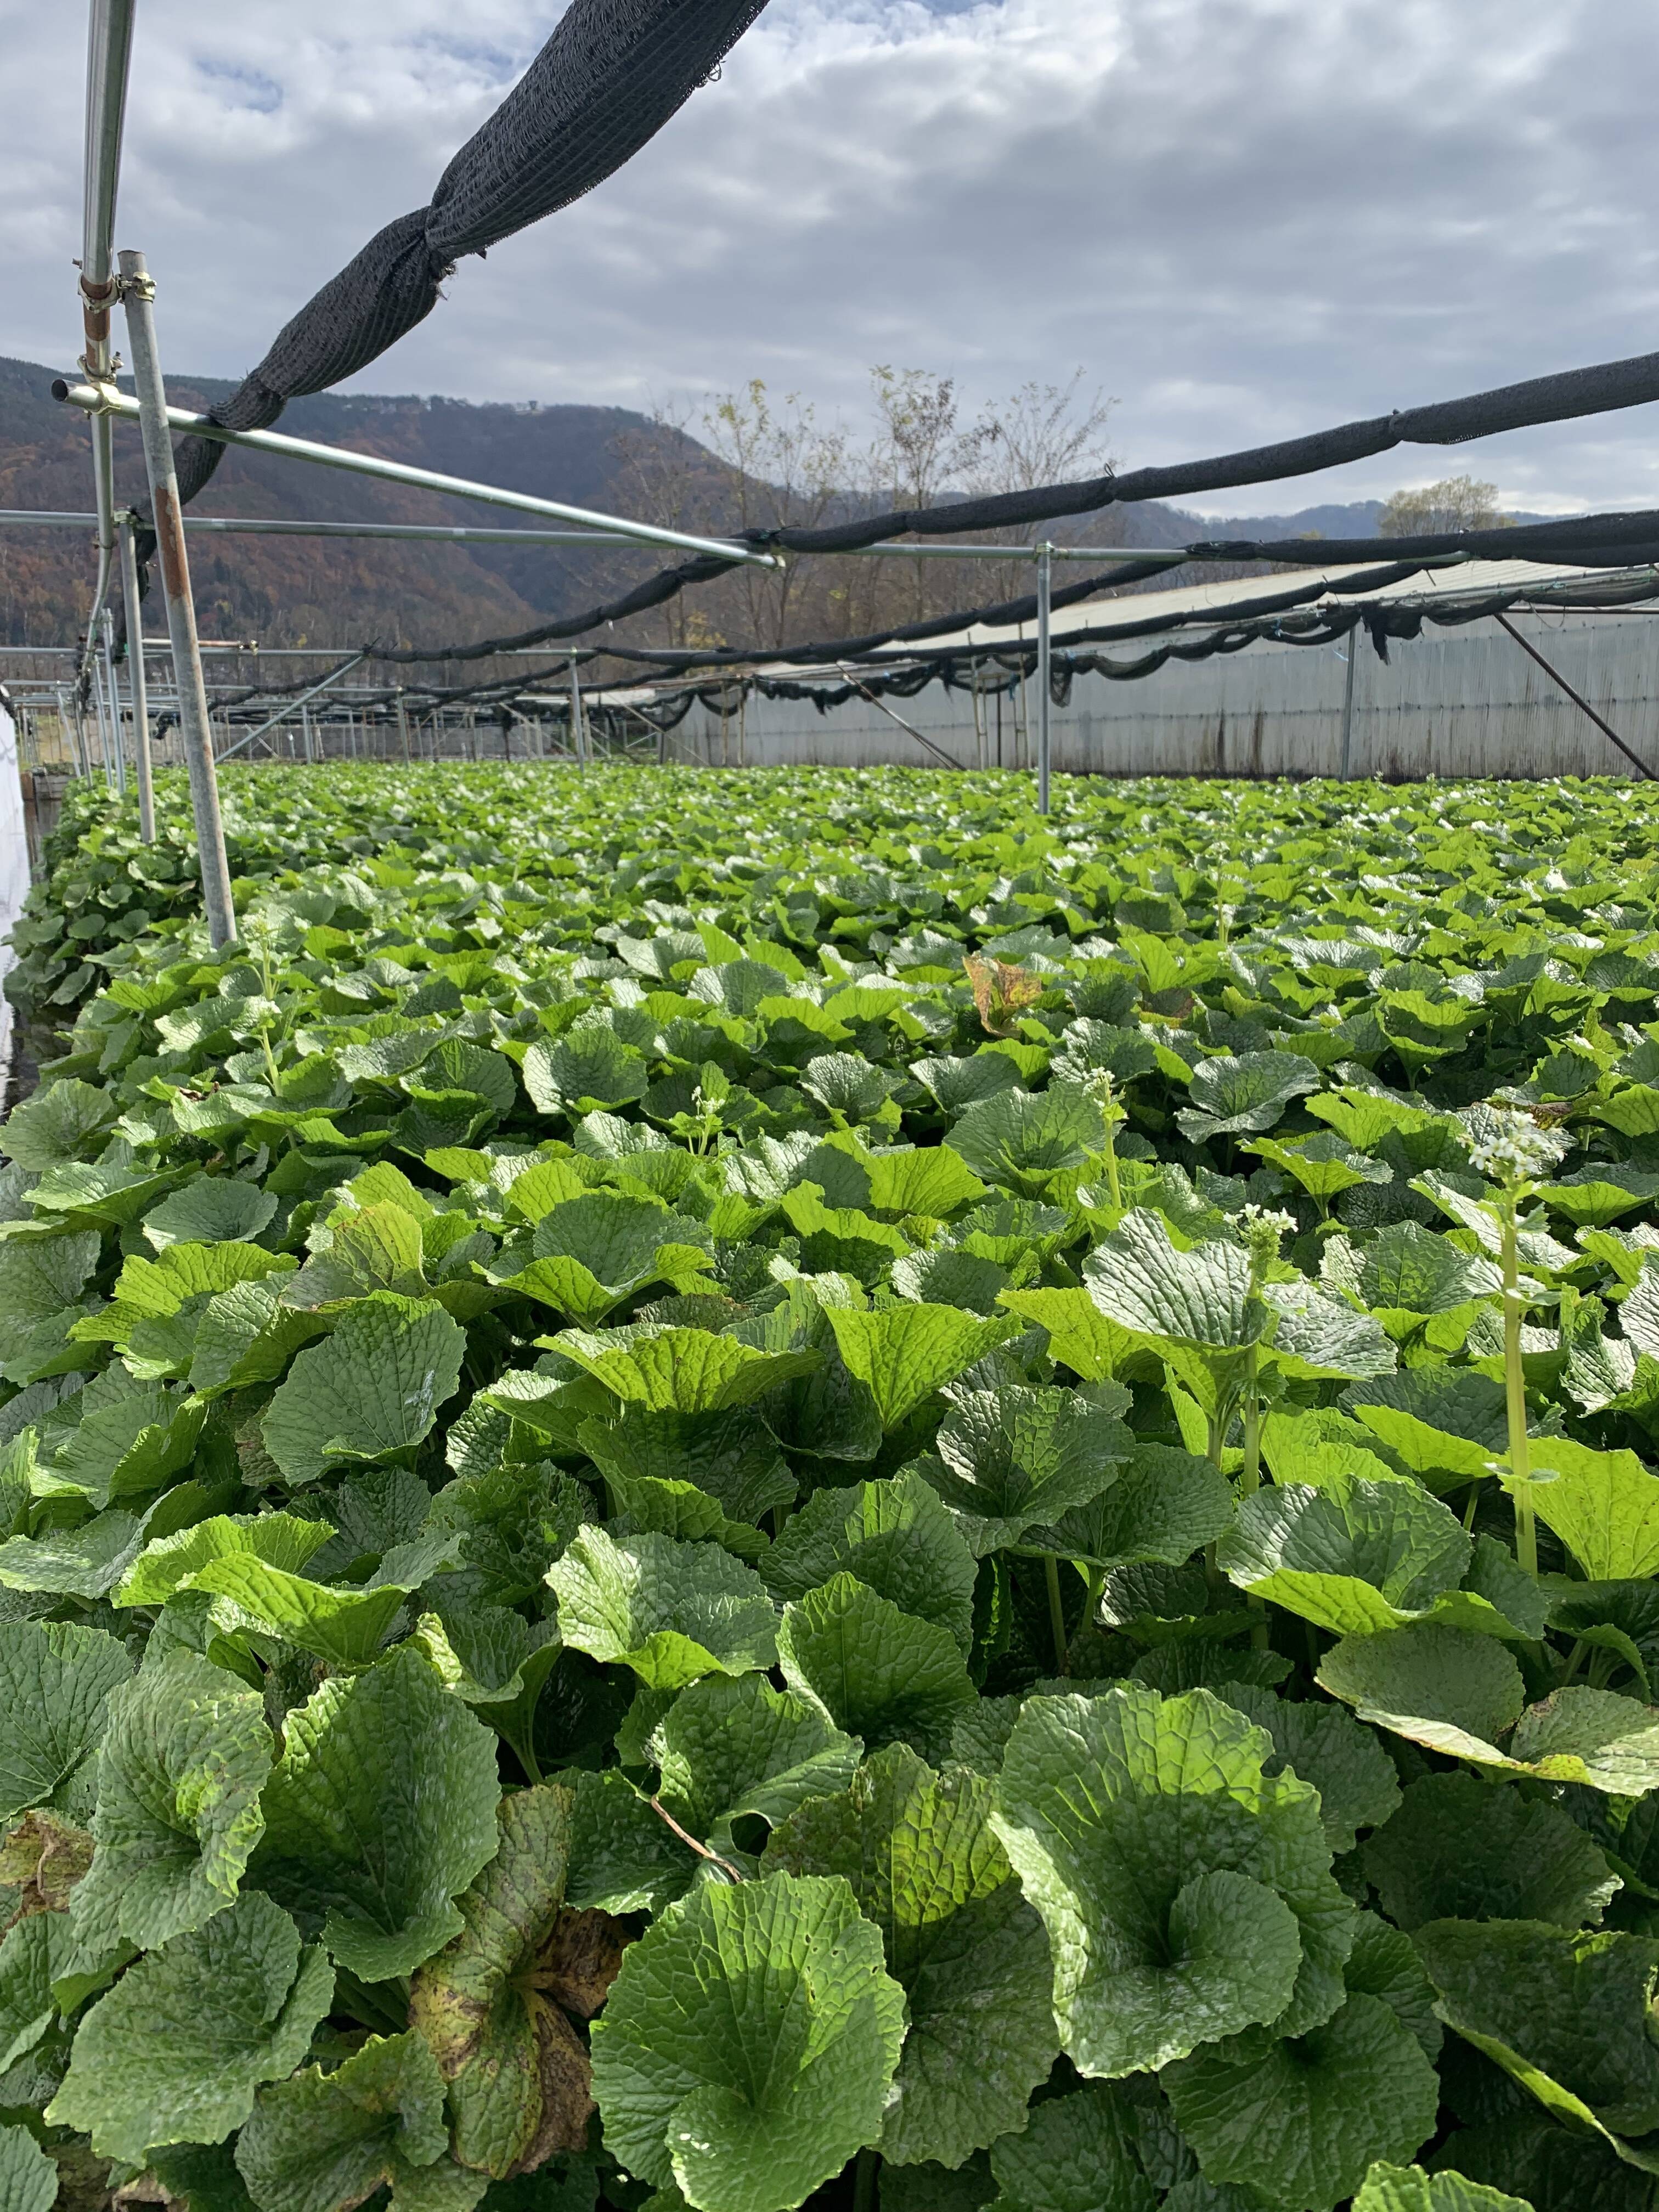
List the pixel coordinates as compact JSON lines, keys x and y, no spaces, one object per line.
{"x":766,"y":464}
{"x":1457,"y":503}
{"x":780,"y":468}
{"x":1042,"y":433}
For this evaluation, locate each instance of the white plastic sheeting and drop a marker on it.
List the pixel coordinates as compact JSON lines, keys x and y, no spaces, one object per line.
{"x":1452,"y":702}
{"x":14,"y":870}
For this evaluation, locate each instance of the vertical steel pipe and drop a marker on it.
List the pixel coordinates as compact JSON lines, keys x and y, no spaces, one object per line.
{"x":109,"y":52}
{"x":102,"y":712}
{"x":1344,"y":766}
{"x":116,"y":744}
{"x":578,"y":730}
{"x":136,"y":685}
{"x":138,"y":294}
{"x":1045,"y":571}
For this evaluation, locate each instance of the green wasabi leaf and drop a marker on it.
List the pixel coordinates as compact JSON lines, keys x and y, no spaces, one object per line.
{"x":624,"y":1858}
{"x":1302,"y":2122}
{"x":1442,"y":1686}
{"x":903,"y":1354}
{"x":131,"y":1439}
{"x":41,"y":1282}
{"x":1322,"y":1744}
{"x":37,"y":1952}
{"x":175,"y":2052}
{"x":1187,"y":1893}
{"x":1445,"y":1422}
{"x":726,"y":1749}
{"x":1383,"y":1963}
{"x":1162,"y":1506}
{"x":380,"y":1813}
{"x":55,"y":1123}
{"x":28,"y":2179}
{"x":1458,"y":1849}
{"x":1013,"y":1457}
{"x":1024,"y":1141}
{"x":373,"y":1387}
{"x":323,"y":2143}
{"x":1410,"y":1273}
{"x":1604,"y":1506}
{"x":586,"y":1069}
{"x":895,"y":1536}
{"x":86,"y":1562}
{"x":184,"y":1758}
{"x":880,"y":1673}
{"x":746,"y":2050}
{"x":671,"y":1611}
{"x":683,"y":1370}
{"x":1139,"y":1279}
{"x":283,"y":1539}
{"x":1565,"y":2013}
{"x":1315,"y":1335}
{"x":1079,"y":1334}
{"x":1323,"y":1164}
{"x":731,"y":1458}
{"x":248,"y":1335}
{"x":1408,"y":2189}
{"x":1248,"y":1092}
{"x":56,"y":1681}
{"x":343,"y":1626}
{"x":1356,"y":1557}
{"x":968,"y":1952}
{"x":592,"y":1253}
{"x":1076,"y":2153}
{"x":212,"y":1210}
{"x":1456,"y":1693}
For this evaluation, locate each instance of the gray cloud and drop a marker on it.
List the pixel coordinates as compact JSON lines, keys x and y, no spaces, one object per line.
{"x":1244,"y":217}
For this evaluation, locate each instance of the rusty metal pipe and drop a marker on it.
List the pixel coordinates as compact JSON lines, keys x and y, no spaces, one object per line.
{"x":137,"y":294}
{"x":137,"y":683}
{"x":106,"y":639}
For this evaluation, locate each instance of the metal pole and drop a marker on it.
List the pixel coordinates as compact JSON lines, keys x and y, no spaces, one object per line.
{"x":1044,"y":560}
{"x":116,"y":739}
{"x":137,"y":683}
{"x":1582,"y":703}
{"x":333,"y":677}
{"x":104,"y":399}
{"x":137,"y":294}
{"x":1345,"y":768}
{"x":102,"y":713}
{"x":578,"y":730}
{"x":403,"y":727}
{"x":109,"y":49}
{"x":909,"y":728}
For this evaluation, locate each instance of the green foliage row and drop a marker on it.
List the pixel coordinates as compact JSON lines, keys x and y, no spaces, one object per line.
{"x":725,"y":1490}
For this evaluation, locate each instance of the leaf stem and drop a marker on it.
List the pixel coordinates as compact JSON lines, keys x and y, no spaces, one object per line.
{"x":1514,"y":1395}
{"x":1056,"y":1614}
{"x":732,"y":1873}
{"x":1249,"y":1475}
{"x":1113,"y":1182}
{"x":864,"y":2180}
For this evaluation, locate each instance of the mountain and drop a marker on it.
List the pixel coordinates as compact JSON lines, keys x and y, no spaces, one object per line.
{"x":290,"y":591}
{"x":298,"y":591}
{"x":1155,"y":524}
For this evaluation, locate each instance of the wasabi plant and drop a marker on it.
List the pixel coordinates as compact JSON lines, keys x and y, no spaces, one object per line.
{"x":719,"y":1490}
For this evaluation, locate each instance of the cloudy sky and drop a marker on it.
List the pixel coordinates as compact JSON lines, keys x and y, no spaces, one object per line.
{"x":1242,"y":218}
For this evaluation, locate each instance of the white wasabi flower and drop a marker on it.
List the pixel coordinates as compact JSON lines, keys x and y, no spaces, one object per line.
{"x":1518,"y":1153}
